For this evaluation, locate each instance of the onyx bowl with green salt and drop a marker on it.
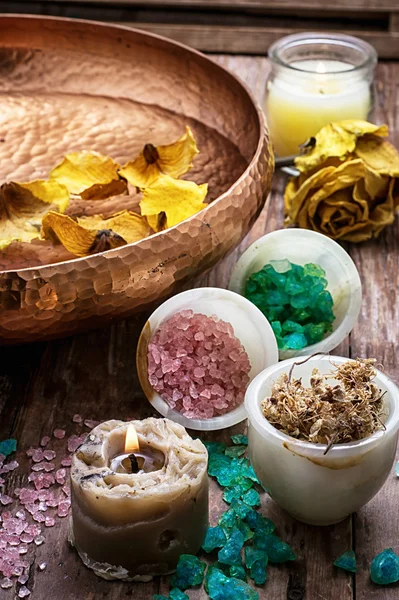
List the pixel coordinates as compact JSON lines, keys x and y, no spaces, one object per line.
{"x":305,"y":284}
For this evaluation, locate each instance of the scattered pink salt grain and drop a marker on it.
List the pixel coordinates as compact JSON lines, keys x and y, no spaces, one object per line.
{"x":37,"y":455}
{"x":197,"y":365}
{"x":26,"y":538}
{"x":59,"y":434}
{"x":67,"y":461}
{"x":49,"y":522}
{"x":23,"y":578}
{"x":43,"y":480}
{"x":44,"y":441}
{"x":60,"y":476}
{"x":39,"y":539}
{"x":77,"y":418}
{"x":4,"y":499}
{"x":6,"y":583}
{"x":38,"y":517}
{"x":63,"y":508}
{"x":66,"y":489}
{"x":49,"y":454}
{"x":42,"y":566}
{"x":23,"y":549}
{"x":75,"y":441}
{"x":23,"y":592}
{"x":90,"y":423}
{"x":34,"y":529}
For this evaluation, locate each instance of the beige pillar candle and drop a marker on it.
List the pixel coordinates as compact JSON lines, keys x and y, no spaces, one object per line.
{"x":136,"y":525}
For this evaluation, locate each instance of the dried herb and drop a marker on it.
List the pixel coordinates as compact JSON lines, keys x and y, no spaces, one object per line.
{"x":348,"y":409}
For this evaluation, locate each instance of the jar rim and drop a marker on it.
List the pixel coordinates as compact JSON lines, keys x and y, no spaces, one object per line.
{"x":329,"y":40}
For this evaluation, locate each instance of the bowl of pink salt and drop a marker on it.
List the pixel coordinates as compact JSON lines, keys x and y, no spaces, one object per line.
{"x":197,"y":354}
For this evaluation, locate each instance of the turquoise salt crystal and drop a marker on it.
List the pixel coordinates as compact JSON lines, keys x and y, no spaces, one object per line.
{"x":295,"y":341}
{"x":189,"y":572}
{"x":385,"y":567}
{"x":238,"y":572}
{"x":347,"y":561}
{"x":235,"y":451}
{"x":230,"y":554}
{"x":245,"y":530}
{"x":177,"y":594}
{"x":214,"y":447}
{"x":7,"y":447}
{"x":215,"y":538}
{"x":259,"y":523}
{"x":232,"y":493}
{"x":239,"y":439}
{"x":228,"y":520}
{"x":276,"y":550}
{"x":256,"y":561}
{"x":221,"y":587}
{"x":240,"y":508}
{"x":251,"y":497}
{"x":291,"y":297}
{"x":159,"y":597}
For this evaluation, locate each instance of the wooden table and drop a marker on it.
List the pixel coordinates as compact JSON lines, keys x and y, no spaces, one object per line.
{"x":43,"y":385}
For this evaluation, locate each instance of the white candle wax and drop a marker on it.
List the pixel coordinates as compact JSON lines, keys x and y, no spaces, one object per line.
{"x":300,"y":102}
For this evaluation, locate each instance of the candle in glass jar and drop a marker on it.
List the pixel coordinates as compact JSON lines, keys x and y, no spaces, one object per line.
{"x":138,"y":505}
{"x":301,"y":101}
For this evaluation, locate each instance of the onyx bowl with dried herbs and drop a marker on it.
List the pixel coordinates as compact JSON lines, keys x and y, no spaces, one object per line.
{"x":322,"y":468}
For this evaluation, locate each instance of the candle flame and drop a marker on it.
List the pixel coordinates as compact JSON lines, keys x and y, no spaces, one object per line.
{"x":131,"y":440}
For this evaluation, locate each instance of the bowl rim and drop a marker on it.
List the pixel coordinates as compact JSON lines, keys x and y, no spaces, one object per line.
{"x":199,"y":56}
{"x":334,"y":338}
{"x":233,"y":417}
{"x":266,"y":429}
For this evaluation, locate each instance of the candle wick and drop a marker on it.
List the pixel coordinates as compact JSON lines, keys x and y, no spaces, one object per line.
{"x":133,"y":463}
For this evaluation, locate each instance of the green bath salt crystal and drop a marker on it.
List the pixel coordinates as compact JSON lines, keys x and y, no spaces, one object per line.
{"x":385,"y":567}
{"x":189,"y":572}
{"x":295,"y":300}
{"x":347,"y":561}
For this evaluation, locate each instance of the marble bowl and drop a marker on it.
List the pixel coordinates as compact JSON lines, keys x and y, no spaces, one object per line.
{"x":70,"y":85}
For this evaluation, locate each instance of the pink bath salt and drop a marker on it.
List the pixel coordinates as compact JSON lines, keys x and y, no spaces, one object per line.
{"x":197,"y":365}
{"x":77,"y":419}
{"x":5,"y":500}
{"x":90,"y":423}
{"x":37,"y":455}
{"x":60,"y":476}
{"x":49,"y":454}
{"x":67,"y":461}
{"x":63,"y":508}
{"x":49,"y":522}
{"x":44,"y":441}
{"x":59,"y":434}
{"x":44,"y":480}
{"x":39,"y":517}
{"x":75,"y":441}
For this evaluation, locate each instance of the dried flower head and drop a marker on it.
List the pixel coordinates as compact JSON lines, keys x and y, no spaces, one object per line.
{"x":340,"y":407}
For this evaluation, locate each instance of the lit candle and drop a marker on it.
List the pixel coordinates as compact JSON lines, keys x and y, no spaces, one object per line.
{"x":139,"y":495}
{"x":305,"y":94}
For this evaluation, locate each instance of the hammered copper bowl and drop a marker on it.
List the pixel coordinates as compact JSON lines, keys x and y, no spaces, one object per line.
{"x":71,"y":85}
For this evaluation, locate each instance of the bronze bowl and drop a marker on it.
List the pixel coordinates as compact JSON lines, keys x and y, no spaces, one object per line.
{"x":70,"y":85}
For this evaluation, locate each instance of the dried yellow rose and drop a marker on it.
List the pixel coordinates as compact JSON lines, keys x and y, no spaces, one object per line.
{"x":349,"y":190}
{"x":22,"y":206}
{"x":89,"y":175}
{"x":169,"y":201}
{"x":173,"y":159}
{"x":88,"y":235}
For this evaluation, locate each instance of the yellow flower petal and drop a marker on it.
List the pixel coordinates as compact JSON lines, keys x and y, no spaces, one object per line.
{"x":337,"y":140}
{"x":89,"y":235}
{"x":380,"y":155}
{"x":176,"y":198}
{"x":173,"y":159}
{"x":89,"y":175}
{"x":22,"y":206}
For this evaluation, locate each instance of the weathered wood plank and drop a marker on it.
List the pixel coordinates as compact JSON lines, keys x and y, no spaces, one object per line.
{"x":256,"y":40}
{"x":369,"y":5}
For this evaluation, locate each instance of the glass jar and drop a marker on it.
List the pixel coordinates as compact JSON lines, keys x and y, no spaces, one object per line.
{"x":316,"y":79}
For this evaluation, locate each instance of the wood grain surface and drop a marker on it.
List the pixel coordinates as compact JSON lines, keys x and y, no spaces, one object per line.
{"x":43,"y":385}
